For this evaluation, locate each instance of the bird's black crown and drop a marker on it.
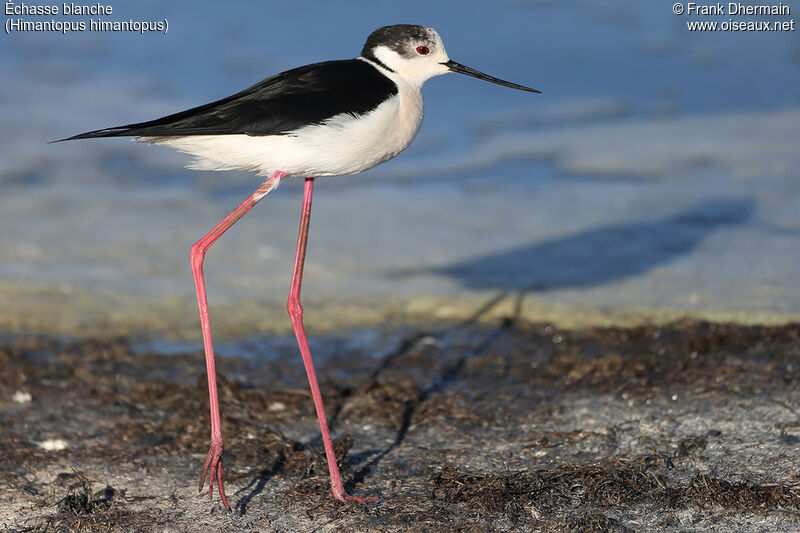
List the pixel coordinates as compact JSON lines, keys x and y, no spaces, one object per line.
{"x":397,"y":38}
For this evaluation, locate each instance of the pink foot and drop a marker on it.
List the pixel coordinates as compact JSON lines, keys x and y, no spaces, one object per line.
{"x":342,"y":496}
{"x":214,"y":468}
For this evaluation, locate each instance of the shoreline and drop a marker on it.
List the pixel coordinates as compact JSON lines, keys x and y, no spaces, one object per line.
{"x":81,"y":313}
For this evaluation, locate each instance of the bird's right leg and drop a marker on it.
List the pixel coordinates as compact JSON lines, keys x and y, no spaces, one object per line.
{"x":213,"y":464}
{"x":295,"y":309}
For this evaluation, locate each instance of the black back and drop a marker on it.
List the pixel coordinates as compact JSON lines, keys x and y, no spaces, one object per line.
{"x":276,"y":105}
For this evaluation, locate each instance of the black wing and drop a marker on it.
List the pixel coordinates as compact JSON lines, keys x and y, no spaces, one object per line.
{"x":276,"y":105}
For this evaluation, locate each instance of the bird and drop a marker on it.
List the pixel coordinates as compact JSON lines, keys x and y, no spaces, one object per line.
{"x":330,"y":118}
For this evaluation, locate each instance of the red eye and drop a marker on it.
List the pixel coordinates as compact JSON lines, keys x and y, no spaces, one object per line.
{"x":422,"y":50}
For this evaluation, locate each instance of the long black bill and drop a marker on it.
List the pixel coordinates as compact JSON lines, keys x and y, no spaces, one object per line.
{"x":463,"y":69}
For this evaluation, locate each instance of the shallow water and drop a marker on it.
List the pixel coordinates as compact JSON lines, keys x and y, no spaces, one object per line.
{"x":656,"y":176}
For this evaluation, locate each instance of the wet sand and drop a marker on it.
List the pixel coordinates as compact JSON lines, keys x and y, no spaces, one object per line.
{"x":690,"y":426}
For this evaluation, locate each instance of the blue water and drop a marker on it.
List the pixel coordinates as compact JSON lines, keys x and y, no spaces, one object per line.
{"x":657,"y":171}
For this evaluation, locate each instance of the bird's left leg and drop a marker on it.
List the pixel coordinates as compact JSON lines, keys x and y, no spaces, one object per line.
{"x":214,"y":458}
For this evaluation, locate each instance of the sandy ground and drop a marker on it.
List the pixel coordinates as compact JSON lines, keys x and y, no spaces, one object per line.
{"x":691,"y":426}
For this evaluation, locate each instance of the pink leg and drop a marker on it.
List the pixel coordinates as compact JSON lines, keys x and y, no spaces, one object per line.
{"x":296,"y":314}
{"x":214,"y":457}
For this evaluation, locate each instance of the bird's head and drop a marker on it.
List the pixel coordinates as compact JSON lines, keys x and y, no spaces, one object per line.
{"x":417,"y":53}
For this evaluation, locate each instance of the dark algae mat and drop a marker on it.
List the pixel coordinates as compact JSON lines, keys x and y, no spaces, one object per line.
{"x":691,"y":426}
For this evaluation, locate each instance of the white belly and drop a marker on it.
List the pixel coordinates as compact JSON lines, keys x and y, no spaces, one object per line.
{"x":341,"y":145}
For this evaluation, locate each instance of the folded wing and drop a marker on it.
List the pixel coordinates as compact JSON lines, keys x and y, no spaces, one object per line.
{"x":275,"y":106}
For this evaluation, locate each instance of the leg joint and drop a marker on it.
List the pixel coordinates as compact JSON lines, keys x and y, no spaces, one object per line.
{"x":295,"y":308}
{"x":197,"y":253}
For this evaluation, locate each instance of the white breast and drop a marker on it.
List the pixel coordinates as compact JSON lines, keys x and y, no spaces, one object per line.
{"x":342,"y":145}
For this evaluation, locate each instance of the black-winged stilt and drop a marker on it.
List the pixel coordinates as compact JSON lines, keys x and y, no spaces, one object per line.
{"x":325,"y":119}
